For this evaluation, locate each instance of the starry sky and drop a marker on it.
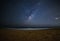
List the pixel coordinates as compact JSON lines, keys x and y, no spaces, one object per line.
{"x":30,"y":12}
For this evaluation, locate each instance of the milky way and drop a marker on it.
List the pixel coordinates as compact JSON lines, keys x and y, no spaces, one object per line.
{"x":32,"y":12}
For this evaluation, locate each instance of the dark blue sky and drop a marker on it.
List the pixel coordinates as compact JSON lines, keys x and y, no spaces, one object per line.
{"x":30,"y":12}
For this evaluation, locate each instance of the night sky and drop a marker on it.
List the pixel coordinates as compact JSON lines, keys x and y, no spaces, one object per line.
{"x":30,"y":12}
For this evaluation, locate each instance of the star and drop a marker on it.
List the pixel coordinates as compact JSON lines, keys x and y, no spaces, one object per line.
{"x":57,"y":18}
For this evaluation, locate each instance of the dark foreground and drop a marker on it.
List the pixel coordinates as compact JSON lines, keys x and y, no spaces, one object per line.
{"x":29,"y":35}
